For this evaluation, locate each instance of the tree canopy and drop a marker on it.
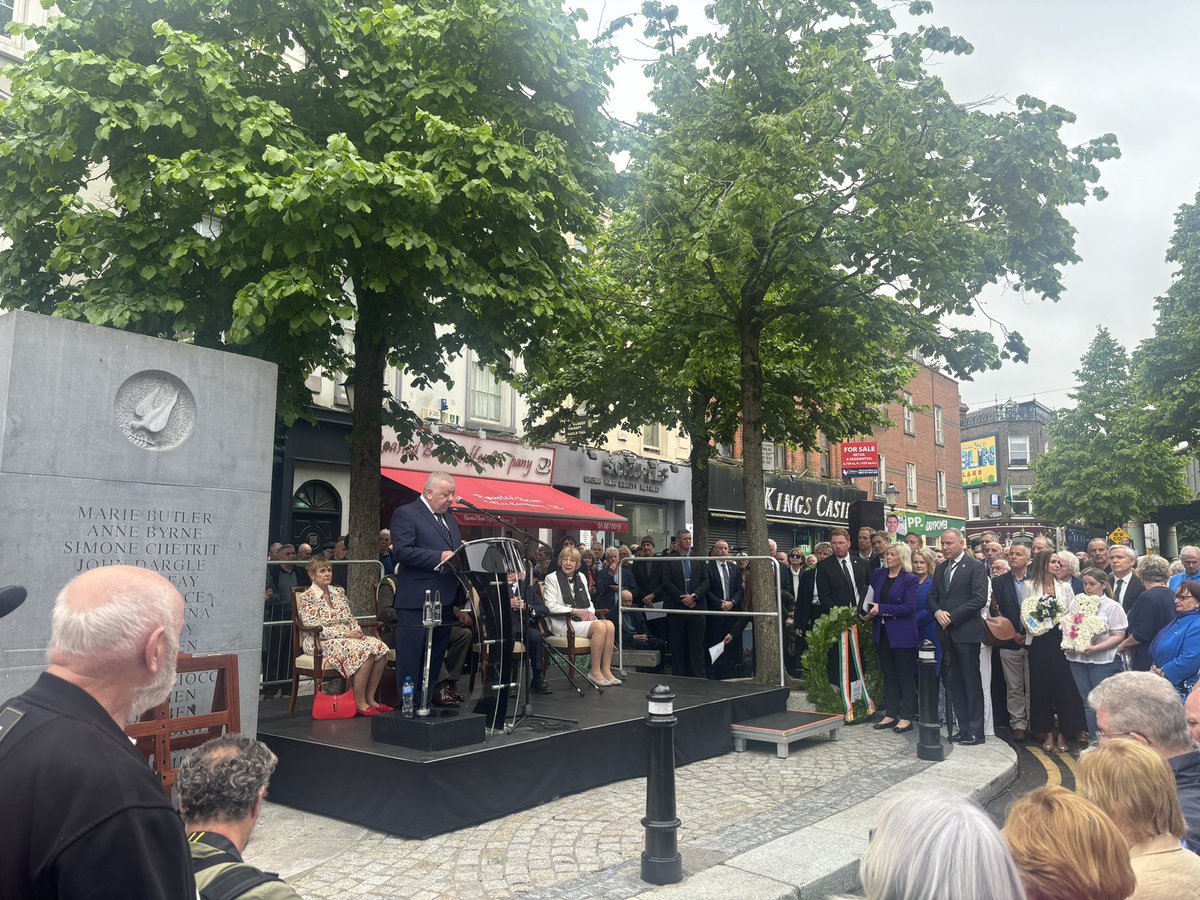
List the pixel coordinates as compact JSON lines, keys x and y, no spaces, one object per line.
{"x":265,"y":177}
{"x":1102,"y":468}
{"x":1167,"y":364}
{"x":805,"y":206}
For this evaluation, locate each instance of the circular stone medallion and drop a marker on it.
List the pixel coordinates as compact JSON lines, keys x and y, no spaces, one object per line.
{"x":155,"y":410}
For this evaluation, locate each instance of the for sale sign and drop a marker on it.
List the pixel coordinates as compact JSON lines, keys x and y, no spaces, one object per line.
{"x":860,"y":459}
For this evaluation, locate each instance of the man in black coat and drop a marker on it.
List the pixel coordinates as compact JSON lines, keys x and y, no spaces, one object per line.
{"x":685,"y":586}
{"x":724,"y":594}
{"x":1126,"y":586}
{"x":956,"y":599}
{"x":842,"y":580}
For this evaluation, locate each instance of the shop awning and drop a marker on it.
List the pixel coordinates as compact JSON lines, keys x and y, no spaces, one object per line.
{"x":525,"y":504}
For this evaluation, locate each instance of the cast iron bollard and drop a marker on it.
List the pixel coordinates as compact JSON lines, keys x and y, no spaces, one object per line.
{"x":661,"y":862}
{"x":929,"y":739}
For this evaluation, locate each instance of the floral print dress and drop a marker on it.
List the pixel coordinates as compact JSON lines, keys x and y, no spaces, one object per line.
{"x":346,"y":654}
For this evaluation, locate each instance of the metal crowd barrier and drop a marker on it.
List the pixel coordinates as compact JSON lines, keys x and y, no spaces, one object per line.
{"x":277,"y":627}
{"x":674,"y":560}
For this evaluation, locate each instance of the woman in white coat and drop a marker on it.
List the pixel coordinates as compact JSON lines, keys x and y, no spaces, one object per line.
{"x":565,"y":592}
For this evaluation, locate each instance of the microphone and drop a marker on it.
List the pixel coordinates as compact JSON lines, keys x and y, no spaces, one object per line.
{"x":11,"y":597}
{"x":463,"y":501}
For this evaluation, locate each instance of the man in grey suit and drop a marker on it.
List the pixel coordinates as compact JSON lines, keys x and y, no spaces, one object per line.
{"x":956,"y":599}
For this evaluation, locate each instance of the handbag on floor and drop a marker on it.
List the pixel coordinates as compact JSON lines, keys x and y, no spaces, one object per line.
{"x":334,"y":706}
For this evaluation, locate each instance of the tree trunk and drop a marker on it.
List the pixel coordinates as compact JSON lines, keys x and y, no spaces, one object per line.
{"x":763,"y":597}
{"x":370,"y":357}
{"x":698,"y":458}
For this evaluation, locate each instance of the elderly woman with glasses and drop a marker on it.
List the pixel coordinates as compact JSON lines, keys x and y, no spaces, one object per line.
{"x":1176,"y":649}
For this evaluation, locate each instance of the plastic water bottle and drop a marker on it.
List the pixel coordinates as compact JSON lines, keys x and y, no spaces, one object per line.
{"x":406,"y":697}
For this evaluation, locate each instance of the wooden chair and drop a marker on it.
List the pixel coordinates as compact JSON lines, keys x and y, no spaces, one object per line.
{"x":158,"y":735}
{"x":313,"y":665}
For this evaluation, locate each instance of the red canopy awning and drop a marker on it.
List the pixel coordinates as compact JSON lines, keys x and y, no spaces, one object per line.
{"x":527,"y":504}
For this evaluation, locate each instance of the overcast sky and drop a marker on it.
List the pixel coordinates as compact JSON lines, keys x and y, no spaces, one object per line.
{"x":1122,"y":67}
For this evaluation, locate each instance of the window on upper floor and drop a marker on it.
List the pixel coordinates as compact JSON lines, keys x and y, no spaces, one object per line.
{"x":939,"y":431}
{"x":941,"y":490}
{"x":1018,"y":451}
{"x":823,"y":451}
{"x":973,"y":503}
{"x":7,"y":13}
{"x":652,"y":437}
{"x":484,"y":394}
{"x":1018,"y":499}
{"x":910,"y":481}
{"x":910,"y":423}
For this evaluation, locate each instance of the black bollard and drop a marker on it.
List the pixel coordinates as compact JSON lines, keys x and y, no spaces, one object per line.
{"x":661,"y":862}
{"x":929,"y":738}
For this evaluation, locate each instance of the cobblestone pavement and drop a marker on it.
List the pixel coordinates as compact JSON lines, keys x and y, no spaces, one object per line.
{"x":589,"y":844}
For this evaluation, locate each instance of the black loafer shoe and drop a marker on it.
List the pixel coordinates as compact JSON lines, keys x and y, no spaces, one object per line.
{"x":971,"y":741}
{"x":958,"y":738}
{"x":879,"y":726}
{"x":540,"y":687}
{"x":903,"y":730}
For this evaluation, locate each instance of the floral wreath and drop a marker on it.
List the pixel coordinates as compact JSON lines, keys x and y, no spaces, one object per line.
{"x":1041,"y":614}
{"x":1082,"y":624}
{"x":823,"y":637}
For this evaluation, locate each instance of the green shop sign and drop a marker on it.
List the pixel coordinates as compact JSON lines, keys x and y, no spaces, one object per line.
{"x":931,"y":526}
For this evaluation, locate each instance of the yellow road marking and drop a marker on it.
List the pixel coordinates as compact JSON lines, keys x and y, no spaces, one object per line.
{"x":1053,"y":775}
{"x":1069,"y":759}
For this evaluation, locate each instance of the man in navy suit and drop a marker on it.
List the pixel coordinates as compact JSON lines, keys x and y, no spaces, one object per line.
{"x":956,"y":599}
{"x":424,"y":535}
{"x":685,"y":586}
{"x":724,"y":595}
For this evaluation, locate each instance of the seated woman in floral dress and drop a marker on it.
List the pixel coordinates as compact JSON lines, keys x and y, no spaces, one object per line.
{"x":359,"y":659}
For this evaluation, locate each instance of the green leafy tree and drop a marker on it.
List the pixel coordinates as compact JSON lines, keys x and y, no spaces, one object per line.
{"x":1167,"y":364}
{"x":271,"y":177}
{"x":1102,"y":468}
{"x":806,"y":205}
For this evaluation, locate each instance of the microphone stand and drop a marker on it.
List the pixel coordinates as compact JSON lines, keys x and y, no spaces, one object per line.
{"x":526,"y":668}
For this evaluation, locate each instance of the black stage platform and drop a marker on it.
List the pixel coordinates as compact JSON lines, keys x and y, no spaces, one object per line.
{"x":334,"y":769}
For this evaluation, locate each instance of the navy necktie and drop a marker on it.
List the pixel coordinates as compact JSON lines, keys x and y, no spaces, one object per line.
{"x":444,"y":528}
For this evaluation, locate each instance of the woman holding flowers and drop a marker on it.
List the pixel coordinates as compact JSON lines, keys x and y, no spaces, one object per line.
{"x":1092,"y":627}
{"x":1052,"y":690}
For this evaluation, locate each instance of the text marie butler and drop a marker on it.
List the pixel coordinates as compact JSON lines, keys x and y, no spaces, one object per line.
{"x":163,"y":540}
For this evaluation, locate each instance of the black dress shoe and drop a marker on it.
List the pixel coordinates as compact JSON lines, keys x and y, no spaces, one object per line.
{"x":443,"y":696}
{"x":972,"y":741}
{"x":960,"y":737}
{"x":903,"y":730}
{"x":879,"y":726}
{"x":540,"y":687}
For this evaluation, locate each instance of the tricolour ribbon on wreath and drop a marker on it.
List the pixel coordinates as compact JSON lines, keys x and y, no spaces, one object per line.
{"x":848,"y":654}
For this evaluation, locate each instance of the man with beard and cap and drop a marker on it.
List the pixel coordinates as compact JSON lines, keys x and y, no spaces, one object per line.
{"x":84,"y":815}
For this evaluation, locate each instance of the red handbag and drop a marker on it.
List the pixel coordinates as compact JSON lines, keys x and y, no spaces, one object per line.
{"x":334,"y":706}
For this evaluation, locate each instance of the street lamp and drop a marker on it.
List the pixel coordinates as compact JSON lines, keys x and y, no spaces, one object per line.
{"x":893,"y":494}
{"x":348,"y":387}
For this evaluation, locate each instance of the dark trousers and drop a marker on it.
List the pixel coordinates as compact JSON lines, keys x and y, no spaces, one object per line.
{"x":1052,"y":688}
{"x":410,"y":647}
{"x":456,"y":653}
{"x":966,"y":686}
{"x":899,"y":685}
{"x":537,"y":650}
{"x":687,"y":645}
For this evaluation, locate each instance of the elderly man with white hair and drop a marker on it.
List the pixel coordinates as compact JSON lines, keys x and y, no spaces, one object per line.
{"x":84,"y":816}
{"x":1146,"y":708}
{"x":1190,"y":557}
{"x":1126,"y":586}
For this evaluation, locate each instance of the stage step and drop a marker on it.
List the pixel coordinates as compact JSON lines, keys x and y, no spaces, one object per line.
{"x":782,"y":728}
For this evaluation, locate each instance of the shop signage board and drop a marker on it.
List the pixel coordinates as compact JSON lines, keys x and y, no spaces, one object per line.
{"x":860,"y":459}
{"x":785,"y":499}
{"x":521,"y":463}
{"x":979,"y":462}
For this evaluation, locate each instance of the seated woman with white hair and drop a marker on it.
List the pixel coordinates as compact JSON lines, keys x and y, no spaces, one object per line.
{"x":566,"y":594}
{"x":937,"y":847}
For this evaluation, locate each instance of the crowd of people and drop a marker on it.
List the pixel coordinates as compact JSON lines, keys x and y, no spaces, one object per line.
{"x":1129,"y":830}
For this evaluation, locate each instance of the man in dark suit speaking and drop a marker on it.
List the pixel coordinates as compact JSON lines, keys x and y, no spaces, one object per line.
{"x":956,"y":599}
{"x":424,"y":535}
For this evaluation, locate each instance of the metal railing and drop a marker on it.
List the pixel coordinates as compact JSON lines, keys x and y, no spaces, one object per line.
{"x":675,"y":560}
